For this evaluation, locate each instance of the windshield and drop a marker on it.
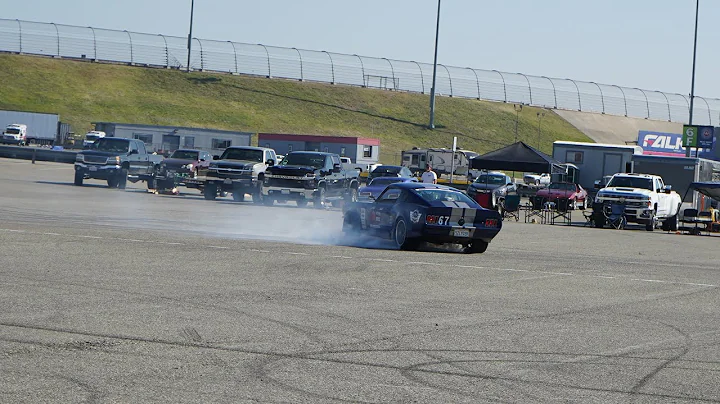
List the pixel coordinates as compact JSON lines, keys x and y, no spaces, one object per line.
{"x":385,"y":181}
{"x":12,"y":131}
{"x":562,"y":186}
{"x":631,"y":182}
{"x":491,"y":179}
{"x":184,"y":155}
{"x":304,"y":159}
{"x":112,"y":145}
{"x":386,"y":170}
{"x":443,"y":195}
{"x":92,"y":137}
{"x":243,"y":154}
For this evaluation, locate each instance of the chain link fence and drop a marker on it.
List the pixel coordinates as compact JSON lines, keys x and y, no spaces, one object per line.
{"x":97,"y":44}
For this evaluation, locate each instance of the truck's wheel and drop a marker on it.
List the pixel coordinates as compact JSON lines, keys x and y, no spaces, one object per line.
{"x":319,"y":201}
{"x":238,"y":195}
{"x":210,"y":192}
{"x":122,"y":179}
{"x":599,"y":221}
{"x":112,"y":182}
{"x":151,"y":184}
{"x":650,"y":225}
{"x":79,"y":178}
{"x":257,"y":196}
{"x":267,"y":201}
{"x":301,"y":203}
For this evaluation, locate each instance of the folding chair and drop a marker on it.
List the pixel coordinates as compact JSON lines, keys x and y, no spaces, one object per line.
{"x":562,"y":211}
{"x":535,"y":209}
{"x":510,"y":207}
{"x":589,"y":218}
{"x":616,"y":216}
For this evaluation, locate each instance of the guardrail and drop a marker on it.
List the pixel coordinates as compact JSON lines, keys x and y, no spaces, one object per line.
{"x":157,"y":50}
{"x":38,"y":153}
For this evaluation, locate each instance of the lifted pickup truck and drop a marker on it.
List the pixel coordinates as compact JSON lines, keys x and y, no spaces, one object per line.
{"x":646,"y":198}
{"x":309,"y":176}
{"x":239,"y":170}
{"x":117,"y":160}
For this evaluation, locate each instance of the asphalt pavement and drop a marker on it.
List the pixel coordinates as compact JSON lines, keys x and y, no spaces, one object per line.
{"x":128,"y":296}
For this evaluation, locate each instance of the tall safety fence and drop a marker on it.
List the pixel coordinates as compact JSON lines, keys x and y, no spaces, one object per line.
{"x":97,"y":44}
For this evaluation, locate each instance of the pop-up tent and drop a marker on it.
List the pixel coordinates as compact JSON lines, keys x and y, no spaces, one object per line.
{"x":517,"y":157}
{"x":710,"y":189}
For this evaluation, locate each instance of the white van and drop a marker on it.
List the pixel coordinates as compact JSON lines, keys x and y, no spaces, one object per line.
{"x":91,"y":137}
{"x":15,"y":134}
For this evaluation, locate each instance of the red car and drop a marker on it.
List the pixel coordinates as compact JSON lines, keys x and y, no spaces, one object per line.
{"x":574,"y":192}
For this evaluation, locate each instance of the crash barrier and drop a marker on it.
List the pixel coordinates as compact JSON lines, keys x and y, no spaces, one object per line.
{"x":38,"y":153}
{"x":97,"y":44}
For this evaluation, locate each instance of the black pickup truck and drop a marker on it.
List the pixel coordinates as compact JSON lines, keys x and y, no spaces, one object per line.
{"x":238,"y":170}
{"x":117,"y":160}
{"x":309,"y":176}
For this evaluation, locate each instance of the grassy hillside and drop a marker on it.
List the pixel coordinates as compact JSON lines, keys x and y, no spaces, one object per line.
{"x":83,"y":92}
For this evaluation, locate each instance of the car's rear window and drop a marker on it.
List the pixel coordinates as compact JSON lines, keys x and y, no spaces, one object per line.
{"x":443,"y":195}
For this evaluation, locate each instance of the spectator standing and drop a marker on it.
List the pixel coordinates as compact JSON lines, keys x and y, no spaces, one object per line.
{"x":429,"y":176}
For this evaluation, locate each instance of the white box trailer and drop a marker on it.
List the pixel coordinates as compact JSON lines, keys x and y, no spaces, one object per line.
{"x":595,"y":160}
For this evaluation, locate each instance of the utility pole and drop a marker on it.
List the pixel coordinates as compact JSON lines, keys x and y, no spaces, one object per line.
{"x":432,"y":90}
{"x":192,"y":11}
{"x":540,"y":115}
{"x":692,"y":85}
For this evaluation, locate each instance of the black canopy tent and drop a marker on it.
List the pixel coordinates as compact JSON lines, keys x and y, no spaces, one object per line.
{"x":517,"y":157}
{"x":711,"y":189}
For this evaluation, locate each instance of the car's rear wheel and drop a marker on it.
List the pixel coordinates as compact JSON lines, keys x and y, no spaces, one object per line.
{"x":351,"y":223}
{"x":477,"y":247}
{"x":400,"y":236}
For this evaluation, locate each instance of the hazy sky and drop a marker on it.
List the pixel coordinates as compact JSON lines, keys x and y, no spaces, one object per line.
{"x":633,"y":43}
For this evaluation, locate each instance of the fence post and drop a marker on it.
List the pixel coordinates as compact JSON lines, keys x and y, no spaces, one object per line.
{"x":332,"y":67}
{"x":554,"y":90}
{"x":57,"y":33}
{"x":235,"y":52}
{"x":449,"y":78}
{"x":668,"y":105}
{"x":578,"y":93}
{"x":422,"y":80}
{"x":602,"y":97}
{"x":504,"y":86}
{"x":131,"y":47}
{"x":647,"y":103}
{"x":269,"y":75}
{"x":94,"y":44}
{"x":33,"y":155}
{"x":167,"y":52}
{"x":529,"y":87}
{"x":362,"y":68}
{"x":477,"y":81}
{"x":392,"y":70}
{"x":20,"y":36}
{"x":301,"y":64}
{"x":624,"y":97}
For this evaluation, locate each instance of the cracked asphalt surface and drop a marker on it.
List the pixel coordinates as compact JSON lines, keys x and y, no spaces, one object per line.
{"x":128,"y":296}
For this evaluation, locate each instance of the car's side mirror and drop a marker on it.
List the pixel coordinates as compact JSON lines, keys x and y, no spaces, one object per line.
{"x":216,"y":157}
{"x":270,"y":162}
{"x":667,"y":189}
{"x":597,"y":184}
{"x":336,"y":168}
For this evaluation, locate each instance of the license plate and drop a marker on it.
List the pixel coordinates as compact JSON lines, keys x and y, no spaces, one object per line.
{"x":228,"y":181}
{"x":461,"y":233}
{"x":285,"y":192}
{"x":92,"y":168}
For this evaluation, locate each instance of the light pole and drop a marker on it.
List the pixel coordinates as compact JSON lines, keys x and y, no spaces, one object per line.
{"x":432,"y":90}
{"x":540,"y":115}
{"x":518,"y":108}
{"x":692,"y":84}
{"x":192,"y":11}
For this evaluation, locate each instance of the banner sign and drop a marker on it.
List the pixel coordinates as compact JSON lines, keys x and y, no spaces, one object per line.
{"x":661,"y":143}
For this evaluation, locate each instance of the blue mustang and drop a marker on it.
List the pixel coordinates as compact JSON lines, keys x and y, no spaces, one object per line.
{"x":409,"y":213}
{"x":378,"y":184}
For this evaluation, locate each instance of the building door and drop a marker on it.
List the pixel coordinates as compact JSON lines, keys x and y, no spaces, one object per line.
{"x":170,"y":142}
{"x":612,"y":164}
{"x":312,"y":146}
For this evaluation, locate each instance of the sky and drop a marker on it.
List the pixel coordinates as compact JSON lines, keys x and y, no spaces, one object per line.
{"x":631,"y":43}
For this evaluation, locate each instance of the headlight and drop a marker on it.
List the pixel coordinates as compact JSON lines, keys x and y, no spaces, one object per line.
{"x":188,"y":166}
{"x":113,"y":160}
{"x":310,"y":175}
{"x":79,"y":158}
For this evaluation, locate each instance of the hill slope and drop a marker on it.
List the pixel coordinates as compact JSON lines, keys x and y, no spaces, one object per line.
{"x":83,"y":92}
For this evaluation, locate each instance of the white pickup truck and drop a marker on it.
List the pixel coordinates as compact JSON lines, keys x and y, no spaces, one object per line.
{"x":646,"y":198}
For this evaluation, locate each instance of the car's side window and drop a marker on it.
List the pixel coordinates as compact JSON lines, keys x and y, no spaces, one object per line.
{"x":335,"y":160}
{"x":141,"y":147}
{"x":389,"y":196}
{"x":134,"y":146}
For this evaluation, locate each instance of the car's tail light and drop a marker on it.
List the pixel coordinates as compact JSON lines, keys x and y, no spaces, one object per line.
{"x":491,"y":223}
{"x":431,"y":219}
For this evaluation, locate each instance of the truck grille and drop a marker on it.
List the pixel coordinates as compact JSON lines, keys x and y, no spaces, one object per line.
{"x":282,"y":183}
{"x":96,"y":159}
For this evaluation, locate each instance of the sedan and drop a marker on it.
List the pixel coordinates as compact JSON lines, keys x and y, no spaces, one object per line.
{"x":378,"y":185}
{"x":390,"y":171}
{"x":565,"y":190}
{"x":409,"y":213}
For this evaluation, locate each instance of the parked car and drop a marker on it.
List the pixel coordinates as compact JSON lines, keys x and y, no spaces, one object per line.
{"x":410,"y":213}
{"x":575,"y":193}
{"x":378,"y":185}
{"x":390,"y":171}
{"x":536,"y":179}
{"x":497,"y":183}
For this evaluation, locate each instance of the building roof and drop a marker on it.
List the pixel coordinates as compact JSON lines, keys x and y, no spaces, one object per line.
{"x":183,"y":128}
{"x":319,"y":138}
